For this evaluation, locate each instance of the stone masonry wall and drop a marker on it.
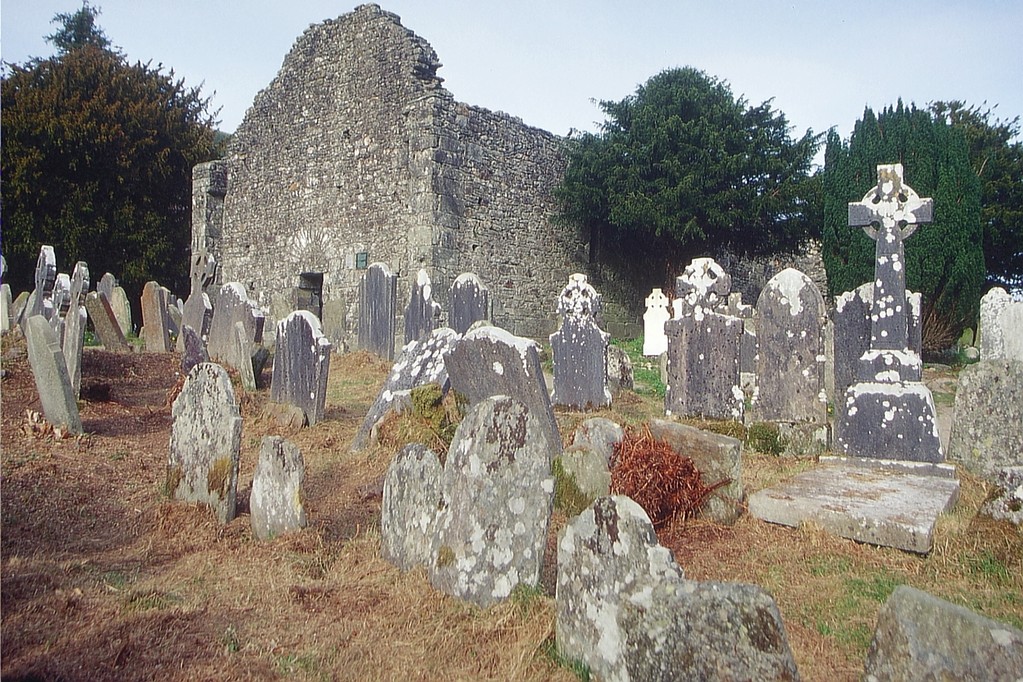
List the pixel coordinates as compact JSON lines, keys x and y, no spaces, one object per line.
{"x":356,"y":148}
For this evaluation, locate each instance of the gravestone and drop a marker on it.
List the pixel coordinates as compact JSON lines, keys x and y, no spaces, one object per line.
{"x":579,"y":348}
{"x":1005,"y":501}
{"x":234,"y":305}
{"x":420,"y":363}
{"x":987,"y":423}
{"x":408,"y":513}
{"x":74,"y":325}
{"x":121,"y":309}
{"x":491,"y":361}
{"x":654,"y":340}
{"x":301,"y":365}
{"x":702,"y":284}
{"x":205,"y":441}
{"x":18,"y":308}
{"x":39,"y":302}
{"x":889,"y":413}
{"x":61,"y":298}
{"x":470,"y":302}
{"x":498,"y":493}
{"x":1001,"y":326}
{"x":194,"y":352}
{"x":155,"y":319}
{"x":243,"y":357}
{"x":105,"y":324}
{"x":197,"y":312}
{"x":106,"y":285}
{"x":275,"y":504}
{"x":56,"y":394}
{"x":6,"y":308}
{"x":620,"y":374}
{"x":422,"y":311}
{"x":600,"y":435}
{"x":378,"y":295}
{"x":790,"y":359}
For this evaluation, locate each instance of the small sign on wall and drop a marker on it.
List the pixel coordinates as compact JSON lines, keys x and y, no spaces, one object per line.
{"x":362,"y":260}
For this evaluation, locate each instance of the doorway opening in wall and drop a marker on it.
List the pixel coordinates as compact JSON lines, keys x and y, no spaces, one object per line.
{"x":310,"y":293}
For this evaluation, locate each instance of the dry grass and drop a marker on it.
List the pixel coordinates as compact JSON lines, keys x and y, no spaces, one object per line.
{"x":103,"y":577}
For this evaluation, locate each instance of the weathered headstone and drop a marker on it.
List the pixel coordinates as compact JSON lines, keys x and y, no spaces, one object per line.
{"x":490,"y":361}
{"x":422,"y":311}
{"x":702,"y":284}
{"x":790,"y":359}
{"x":275,"y":504}
{"x":620,"y":374}
{"x":420,"y":362}
{"x":243,"y":357}
{"x":987,"y":424}
{"x":654,"y":340}
{"x":155,"y":319}
{"x":74,"y":325}
{"x":205,"y":441}
{"x":234,"y":305}
{"x":194,"y":352}
{"x":39,"y":302}
{"x":470,"y":302}
{"x":301,"y":365}
{"x":61,"y":298}
{"x":6,"y":308}
{"x":580,"y":349}
{"x":1001,"y":326}
{"x":121,"y":308}
{"x":378,"y":295}
{"x":408,"y":513}
{"x":198,"y":311}
{"x":498,"y":494}
{"x":106,"y":285}
{"x":49,"y":370}
{"x":889,"y":413}
{"x":601,"y":435}
{"x":1005,"y":501}
{"x":921,"y":637}
{"x":18,"y":308}
{"x":105,"y":324}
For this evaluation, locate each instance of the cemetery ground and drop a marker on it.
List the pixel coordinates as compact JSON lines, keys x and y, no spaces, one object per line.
{"x":104,"y":577}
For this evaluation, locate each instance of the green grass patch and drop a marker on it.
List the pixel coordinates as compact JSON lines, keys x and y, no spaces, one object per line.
{"x":646,"y":372}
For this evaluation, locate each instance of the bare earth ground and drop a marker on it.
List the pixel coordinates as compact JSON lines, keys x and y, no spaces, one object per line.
{"x":104,"y":578}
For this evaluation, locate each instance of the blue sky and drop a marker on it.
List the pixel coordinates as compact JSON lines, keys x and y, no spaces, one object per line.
{"x":546,"y":62}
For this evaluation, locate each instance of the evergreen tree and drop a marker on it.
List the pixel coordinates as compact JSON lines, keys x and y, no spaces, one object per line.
{"x":944,"y":259}
{"x":96,"y":159}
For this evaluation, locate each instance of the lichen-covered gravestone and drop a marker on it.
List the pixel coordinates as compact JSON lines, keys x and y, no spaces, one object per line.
{"x":420,"y":363}
{"x":412,"y":492}
{"x":498,"y":493}
{"x":470,"y":302}
{"x":205,"y":441}
{"x":422,"y":311}
{"x":889,"y":413}
{"x":74,"y":325}
{"x":234,"y":305}
{"x":155,"y":319}
{"x":490,"y":361}
{"x":703,"y":347}
{"x":275,"y":504}
{"x":378,"y":295}
{"x":193,"y":351}
{"x":987,"y":424}
{"x":579,"y":348}
{"x":51,"y":376}
{"x":654,"y":340}
{"x":790,"y":362}
{"x":1001,"y":326}
{"x":301,"y":365}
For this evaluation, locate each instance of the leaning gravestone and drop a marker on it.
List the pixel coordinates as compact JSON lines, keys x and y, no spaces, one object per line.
{"x":422,"y":311}
{"x":106,"y":285}
{"x":155,"y":319}
{"x":243,"y":357}
{"x":470,"y":302}
{"x":420,"y":363}
{"x":39,"y":302}
{"x":498,"y":493}
{"x":490,"y":361}
{"x":378,"y":295}
{"x":122,"y":310}
{"x":301,"y":365}
{"x":654,"y":340}
{"x":987,"y":423}
{"x":197,"y":312}
{"x":61,"y":298}
{"x":49,"y":370}
{"x":205,"y":441}
{"x":580,"y":349}
{"x":889,"y":413}
{"x":275,"y":504}
{"x":790,"y":361}
{"x":703,"y":347}
{"x":408,"y":513}
{"x":74,"y":325}
{"x":234,"y":305}
{"x":108,"y":331}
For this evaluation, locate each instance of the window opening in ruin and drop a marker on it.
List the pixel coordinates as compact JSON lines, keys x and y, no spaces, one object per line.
{"x":310,"y":293}
{"x":361,"y":260}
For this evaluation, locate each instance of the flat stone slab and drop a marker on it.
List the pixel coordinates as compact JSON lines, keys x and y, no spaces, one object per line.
{"x":880,"y":506}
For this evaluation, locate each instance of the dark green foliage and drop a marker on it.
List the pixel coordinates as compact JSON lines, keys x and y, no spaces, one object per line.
{"x":998,"y":162}
{"x":681,"y":168}
{"x":764,"y":437}
{"x":97,"y":159}
{"x":944,"y":259}
{"x":78,"y":30}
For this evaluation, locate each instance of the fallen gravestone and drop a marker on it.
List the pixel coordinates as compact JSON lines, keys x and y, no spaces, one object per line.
{"x":205,"y":441}
{"x":422,"y":311}
{"x":498,"y":493}
{"x":378,"y":294}
{"x":301,"y":365}
{"x":470,"y":302}
{"x":49,"y":370}
{"x":987,"y":423}
{"x":408,"y":513}
{"x":275,"y":504}
{"x":921,"y":637}
{"x":579,"y":348}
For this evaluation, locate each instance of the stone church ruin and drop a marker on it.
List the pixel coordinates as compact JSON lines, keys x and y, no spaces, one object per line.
{"x":355,"y":154}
